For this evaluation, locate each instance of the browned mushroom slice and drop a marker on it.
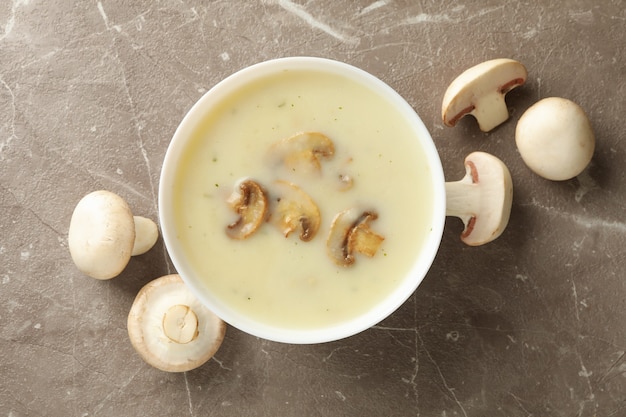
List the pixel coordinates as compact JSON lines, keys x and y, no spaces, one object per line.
{"x":350,"y":233}
{"x":249,"y":201}
{"x":295,"y":210}
{"x":364,"y":240}
{"x":303,"y":152}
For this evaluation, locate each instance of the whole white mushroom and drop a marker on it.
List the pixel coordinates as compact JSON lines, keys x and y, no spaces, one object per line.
{"x":104,"y":234}
{"x":170,"y":329}
{"x":555,"y":139}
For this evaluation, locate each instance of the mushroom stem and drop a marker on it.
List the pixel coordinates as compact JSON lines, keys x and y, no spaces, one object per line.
{"x":490,"y":111}
{"x":180,"y":324}
{"x":146,"y":235}
{"x":462,"y":200}
{"x":482,"y":199}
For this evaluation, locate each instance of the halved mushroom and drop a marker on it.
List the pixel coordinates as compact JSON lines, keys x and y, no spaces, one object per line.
{"x":350,"y":233}
{"x":482,"y":199}
{"x":104,"y":234}
{"x":303,"y":152}
{"x":480,"y":91}
{"x":295,"y":210}
{"x":170,"y":329}
{"x":249,"y":201}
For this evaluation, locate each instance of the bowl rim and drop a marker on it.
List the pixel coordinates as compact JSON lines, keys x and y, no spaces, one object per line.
{"x":248,"y":325}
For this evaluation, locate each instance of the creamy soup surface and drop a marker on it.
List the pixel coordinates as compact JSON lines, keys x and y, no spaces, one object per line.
{"x":284,"y":281}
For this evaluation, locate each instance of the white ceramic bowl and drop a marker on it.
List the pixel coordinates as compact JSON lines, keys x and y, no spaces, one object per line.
{"x":386,"y":306}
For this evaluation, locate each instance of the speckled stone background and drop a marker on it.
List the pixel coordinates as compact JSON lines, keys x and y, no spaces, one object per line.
{"x":533,"y":324}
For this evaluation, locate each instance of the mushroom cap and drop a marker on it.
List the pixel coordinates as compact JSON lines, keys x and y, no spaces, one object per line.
{"x":101,"y":234}
{"x":555,"y":139}
{"x":196,"y":335}
{"x":480,"y":91}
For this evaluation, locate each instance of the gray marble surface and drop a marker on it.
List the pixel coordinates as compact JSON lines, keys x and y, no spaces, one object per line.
{"x":533,"y":324}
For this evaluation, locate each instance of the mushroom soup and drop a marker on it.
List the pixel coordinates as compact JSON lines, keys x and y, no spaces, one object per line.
{"x":268,"y":133}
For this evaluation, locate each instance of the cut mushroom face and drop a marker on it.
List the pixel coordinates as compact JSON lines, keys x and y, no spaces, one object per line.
{"x":295,"y":210}
{"x":480,"y":91}
{"x":555,"y":139}
{"x":482,"y":199}
{"x":303,"y":152}
{"x":170,"y":329}
{"x":103,"y":234}
{"x":249,"y":201}
{"x":350,"y":233}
